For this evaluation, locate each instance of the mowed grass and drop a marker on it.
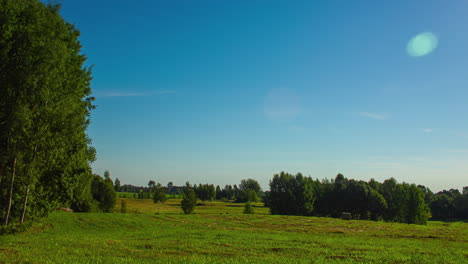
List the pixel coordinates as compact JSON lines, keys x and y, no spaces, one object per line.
{"x":219,"y":232}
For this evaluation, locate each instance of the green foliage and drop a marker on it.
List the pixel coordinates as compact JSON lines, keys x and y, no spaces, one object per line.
{"x":249,"y":190}
{"x":189,"y":200}
{"x":252,"y":196}
{"x":418,"y":210}
{"x":205,"y":192}
{"x":159,"y":195}
{"x":104,"y":193}
{"x":117,"y":185}
{"x":45,"y":154}
{"x":248,"y":208}
{"x":450,"y":205}
{"x":291,"y":195}
{"x":219,"y":193}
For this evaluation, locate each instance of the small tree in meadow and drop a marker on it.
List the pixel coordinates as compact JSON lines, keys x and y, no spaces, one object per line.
{"x":159,"y":194}
{"x":248,"y":208}
{"x":189,"y":200}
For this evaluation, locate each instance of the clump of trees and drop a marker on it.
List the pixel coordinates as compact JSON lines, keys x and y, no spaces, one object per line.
{"x":390,"y":201}
{"x":45,"y":105}
{"x":449,"y":205}
{"x":291,"y":195}
{"x":103,"y":192}
{"x":205,"y":192}
{"x":249,"y":191}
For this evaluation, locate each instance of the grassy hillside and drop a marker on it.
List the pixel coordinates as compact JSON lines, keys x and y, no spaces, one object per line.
{"x":219,"y":232}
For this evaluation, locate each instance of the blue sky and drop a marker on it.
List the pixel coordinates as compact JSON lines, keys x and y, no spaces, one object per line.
{"x":218,"y":91}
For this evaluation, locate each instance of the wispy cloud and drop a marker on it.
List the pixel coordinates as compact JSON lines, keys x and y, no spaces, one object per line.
{"x":427,"y":130}
{"x":133,"y":94}
{"x":373,"y":115}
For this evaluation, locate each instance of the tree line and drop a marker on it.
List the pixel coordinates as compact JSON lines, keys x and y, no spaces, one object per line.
{"x":299,"y":195}
{"x":390,"y":201}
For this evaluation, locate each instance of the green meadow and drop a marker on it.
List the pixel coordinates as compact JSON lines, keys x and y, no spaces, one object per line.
{"x":220,"y":232}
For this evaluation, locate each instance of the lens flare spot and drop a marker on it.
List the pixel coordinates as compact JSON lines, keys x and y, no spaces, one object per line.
{"x":422,"y":44}
{"x":282,"y":105}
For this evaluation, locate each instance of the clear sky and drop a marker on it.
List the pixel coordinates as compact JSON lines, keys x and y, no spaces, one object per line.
{"x":218,"y":91}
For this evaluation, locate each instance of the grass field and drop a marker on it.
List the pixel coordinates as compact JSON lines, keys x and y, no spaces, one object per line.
{"x":219,"y":232}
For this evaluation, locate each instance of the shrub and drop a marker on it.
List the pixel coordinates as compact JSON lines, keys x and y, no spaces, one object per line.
{"x":248,"y":208}
{"x":189,"y":200}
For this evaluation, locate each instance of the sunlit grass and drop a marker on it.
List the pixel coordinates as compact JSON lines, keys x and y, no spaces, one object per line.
{"x":219,"y":232}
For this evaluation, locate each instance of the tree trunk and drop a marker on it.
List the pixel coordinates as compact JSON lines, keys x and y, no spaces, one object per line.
{"x":10,"y":195}
{"x":25,"y":204}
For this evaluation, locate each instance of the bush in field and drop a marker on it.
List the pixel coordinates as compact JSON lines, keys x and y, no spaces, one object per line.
{"x":159,"y":195}
{"x":189,"y":200}
{"x":248,"y":208}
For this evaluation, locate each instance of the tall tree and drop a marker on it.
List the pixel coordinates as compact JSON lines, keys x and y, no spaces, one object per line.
{"x":418,"y":210}
{"x":44,"y":112}
{"x":189,"y":199}
{"x":151,"y":184}
{"x":246,"y":190}
{"x":117,"y":185}
{"x":219,"y":193}
{"x":104,"y":193}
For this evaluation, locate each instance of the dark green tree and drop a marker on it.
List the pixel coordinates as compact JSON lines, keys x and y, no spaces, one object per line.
{"x":291,"y":195}
{"x":418,"y":210}
{"x":442,"y":207}
{"x":117,"y":184}
{"x":104,"y":193}
{"x":219,"y":193}
{"x":189,"y":199}
{"x":151,"y":185}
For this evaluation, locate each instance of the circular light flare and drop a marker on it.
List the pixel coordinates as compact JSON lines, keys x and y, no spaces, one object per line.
{"x":422,"y":44}
{"x":282,"y":105}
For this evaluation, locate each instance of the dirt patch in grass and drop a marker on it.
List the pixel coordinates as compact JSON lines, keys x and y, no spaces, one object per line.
{"x":8,"y":251}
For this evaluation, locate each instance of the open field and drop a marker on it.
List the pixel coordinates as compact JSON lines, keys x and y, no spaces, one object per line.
{"x":219,"y":232}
